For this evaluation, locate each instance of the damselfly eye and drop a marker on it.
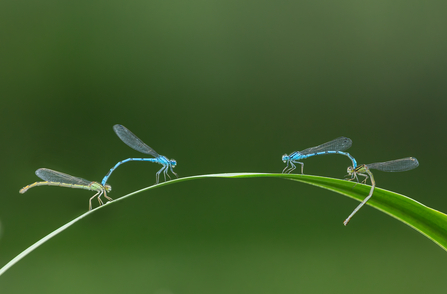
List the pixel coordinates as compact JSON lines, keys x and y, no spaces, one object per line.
{"x":108,"y":187}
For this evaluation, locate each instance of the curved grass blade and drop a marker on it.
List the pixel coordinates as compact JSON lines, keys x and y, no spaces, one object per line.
{"x":428,"y":221}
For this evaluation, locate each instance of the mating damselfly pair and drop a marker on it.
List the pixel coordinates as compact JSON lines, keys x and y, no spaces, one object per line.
{"x":338,"y":146}
{"x":55,"y":178}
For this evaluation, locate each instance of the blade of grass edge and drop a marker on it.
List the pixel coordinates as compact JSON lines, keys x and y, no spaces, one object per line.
{"x":429,"y":222}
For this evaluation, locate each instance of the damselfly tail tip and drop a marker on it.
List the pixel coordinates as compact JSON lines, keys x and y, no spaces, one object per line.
{"x":23,"y":190}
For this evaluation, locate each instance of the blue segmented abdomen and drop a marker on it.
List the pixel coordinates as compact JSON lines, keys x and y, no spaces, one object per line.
{"x":299,"y":156}
{"x":156,"y":160}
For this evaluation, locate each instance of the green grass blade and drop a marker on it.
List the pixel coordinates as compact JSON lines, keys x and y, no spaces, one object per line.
{"x":429,"y":222}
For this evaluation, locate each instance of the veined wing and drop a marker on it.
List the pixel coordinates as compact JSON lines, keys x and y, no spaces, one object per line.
{"x":133,"y":141}
{"x":339,"y":144}
{"x":397,"y":165}
{"x":50,"y":175}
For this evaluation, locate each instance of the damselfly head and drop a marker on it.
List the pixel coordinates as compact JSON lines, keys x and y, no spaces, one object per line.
{"x":108,"y":187}
{"x":350,"y":170}
{"x":285,"y":158}
{"x":173,"y":162}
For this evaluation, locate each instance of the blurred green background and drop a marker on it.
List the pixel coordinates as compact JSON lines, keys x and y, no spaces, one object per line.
{"x":221,"y":86}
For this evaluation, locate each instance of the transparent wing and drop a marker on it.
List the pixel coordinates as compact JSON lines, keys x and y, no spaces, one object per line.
{"x":397,"y":165}
{"x":133,"y":141}
{"x":50,"y":175}
{"x":339,"y":144}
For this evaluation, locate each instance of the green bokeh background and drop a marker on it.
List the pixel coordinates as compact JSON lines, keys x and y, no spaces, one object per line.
{"x":221,"y":86}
